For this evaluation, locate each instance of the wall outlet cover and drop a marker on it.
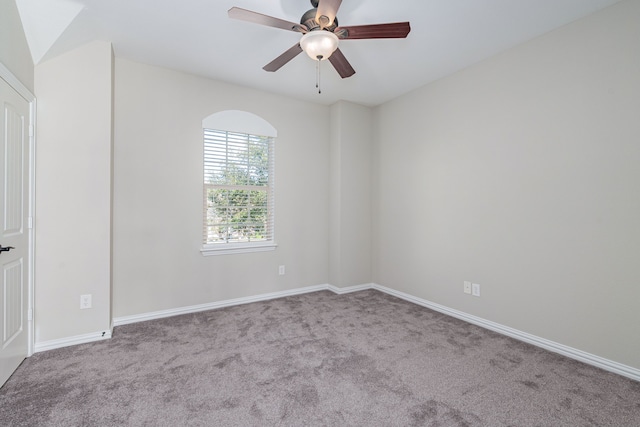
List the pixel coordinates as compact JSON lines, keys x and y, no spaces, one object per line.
{"x":85,"y":301}
{"x":475,"y":289}
{"x":467,"y":287}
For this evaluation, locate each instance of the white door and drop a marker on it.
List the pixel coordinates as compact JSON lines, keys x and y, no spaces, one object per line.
{"x":14,"y":232}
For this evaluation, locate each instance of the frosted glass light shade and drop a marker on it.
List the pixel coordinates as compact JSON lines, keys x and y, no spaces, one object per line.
{"x":319,"y":44}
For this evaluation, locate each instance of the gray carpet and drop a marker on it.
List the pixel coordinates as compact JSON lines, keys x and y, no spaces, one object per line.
{"x":360,"y":359}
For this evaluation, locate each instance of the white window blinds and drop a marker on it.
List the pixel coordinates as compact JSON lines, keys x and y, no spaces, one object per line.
{"x":238,"y":188}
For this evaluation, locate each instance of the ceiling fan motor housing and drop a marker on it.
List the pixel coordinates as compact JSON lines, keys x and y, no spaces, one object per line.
{"x":309,"y":21}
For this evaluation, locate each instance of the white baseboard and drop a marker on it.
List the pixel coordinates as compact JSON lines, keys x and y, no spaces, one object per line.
{"x":75,"y":340}
{"x":124,"y":320}
{"x":349,"y":289}
{"x":588,"y":358}
{"x":582,"y":356}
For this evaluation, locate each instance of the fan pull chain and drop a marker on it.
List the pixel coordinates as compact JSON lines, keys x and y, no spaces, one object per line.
{"x":318,"y":74}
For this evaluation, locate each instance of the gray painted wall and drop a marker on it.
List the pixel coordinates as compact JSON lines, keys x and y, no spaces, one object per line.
{"x":158,"y":193}
{"x":350,"y":201}
{"x":73,"y":192}
{"x":521,"y":174}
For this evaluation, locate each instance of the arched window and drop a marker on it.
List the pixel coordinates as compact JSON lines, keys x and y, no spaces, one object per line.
{"x":238,"y":183}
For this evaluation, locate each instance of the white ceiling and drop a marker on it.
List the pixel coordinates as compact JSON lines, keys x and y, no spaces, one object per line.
{"x":196,"y":36}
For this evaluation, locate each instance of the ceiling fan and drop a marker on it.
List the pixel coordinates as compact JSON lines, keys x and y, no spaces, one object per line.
{"x":321,"y":34}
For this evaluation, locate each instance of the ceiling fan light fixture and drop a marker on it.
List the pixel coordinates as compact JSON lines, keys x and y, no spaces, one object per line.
{"x":319,"y":44}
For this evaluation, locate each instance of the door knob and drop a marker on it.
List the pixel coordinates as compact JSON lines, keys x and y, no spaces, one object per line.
{"x":6,"y":249}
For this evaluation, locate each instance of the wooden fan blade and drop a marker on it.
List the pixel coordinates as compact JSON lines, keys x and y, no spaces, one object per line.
{"x":396,"y":30}
{"x":341,"y":64}
{"x":327,"y":11}
{"x":269,"y":21}
{"x":284,"y":58}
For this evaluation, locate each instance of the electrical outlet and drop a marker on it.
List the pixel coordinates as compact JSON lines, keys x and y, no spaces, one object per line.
{"x":85,"y":301}
{"x":281,"y":270}
{"x":475,"y":289}
{"x":467,"y":287}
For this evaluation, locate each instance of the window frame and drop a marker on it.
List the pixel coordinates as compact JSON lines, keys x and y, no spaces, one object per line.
{"x":225,"y":248}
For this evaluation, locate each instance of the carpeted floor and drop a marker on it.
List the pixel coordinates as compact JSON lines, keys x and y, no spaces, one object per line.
{"x":360,"y":359}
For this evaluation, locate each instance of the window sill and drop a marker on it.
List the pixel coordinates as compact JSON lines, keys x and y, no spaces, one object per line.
{"x":241,"y":248}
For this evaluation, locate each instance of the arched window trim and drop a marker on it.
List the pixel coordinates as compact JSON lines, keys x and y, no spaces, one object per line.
{"x":241,"y":122}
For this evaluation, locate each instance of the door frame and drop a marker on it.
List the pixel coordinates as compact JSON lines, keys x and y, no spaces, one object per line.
{"x":22,"y":90}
